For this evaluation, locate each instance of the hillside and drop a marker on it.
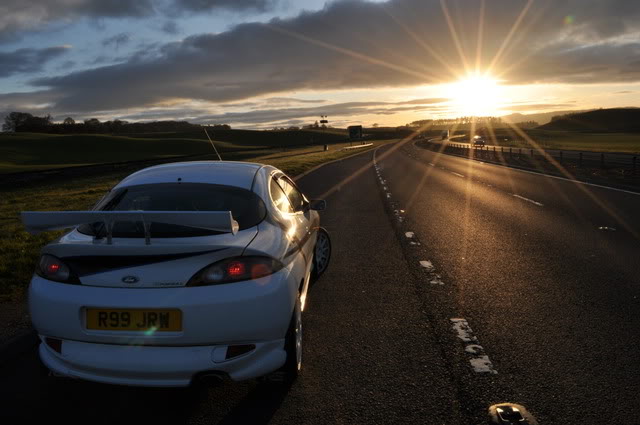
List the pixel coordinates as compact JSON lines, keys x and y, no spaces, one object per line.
{"x":33,"y":151}
{"x":616,"y":120}
{"x":540,"y":117}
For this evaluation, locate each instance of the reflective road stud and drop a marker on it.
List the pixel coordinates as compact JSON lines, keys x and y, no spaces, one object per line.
{"x":510,"y":414}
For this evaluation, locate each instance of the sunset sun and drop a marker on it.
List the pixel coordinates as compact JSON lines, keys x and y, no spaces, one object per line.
{"x":476,"y":95}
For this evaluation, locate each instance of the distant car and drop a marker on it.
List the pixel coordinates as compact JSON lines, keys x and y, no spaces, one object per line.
{"x":184,"y":271}
{"x":478,"y":141}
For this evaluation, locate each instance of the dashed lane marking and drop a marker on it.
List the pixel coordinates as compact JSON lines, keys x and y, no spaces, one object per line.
{"x":409,"y":235}
{"x":426,"y":264}
{"x":528,"y":200}
{"x":456,"y":174}
{"x":480,"y":362}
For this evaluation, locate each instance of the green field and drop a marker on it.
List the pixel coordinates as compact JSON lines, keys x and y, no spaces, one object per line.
{"x":597,"y":142}
{"x":19,"y":250}
{"x":567,"y":140}
{"x":35,"y":151}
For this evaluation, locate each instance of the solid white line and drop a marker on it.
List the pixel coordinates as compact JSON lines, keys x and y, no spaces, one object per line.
{"x":456,"y":174}
{"x":528,"y":200}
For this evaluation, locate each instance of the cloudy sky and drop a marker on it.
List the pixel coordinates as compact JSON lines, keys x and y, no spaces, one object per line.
{"x":265,"y":63}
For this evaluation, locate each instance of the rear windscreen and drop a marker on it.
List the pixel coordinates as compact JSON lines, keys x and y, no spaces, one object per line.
{"x":246,"y":207}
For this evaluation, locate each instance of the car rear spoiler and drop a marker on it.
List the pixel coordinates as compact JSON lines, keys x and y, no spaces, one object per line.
{"x":40,"y":221}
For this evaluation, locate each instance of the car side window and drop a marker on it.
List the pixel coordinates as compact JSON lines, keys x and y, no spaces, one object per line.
{"x":297,"y":199}
{"x":280,"y":199}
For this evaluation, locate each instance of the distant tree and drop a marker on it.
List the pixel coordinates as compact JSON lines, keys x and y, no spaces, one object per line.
{"x":92,"y":121}
{"x":69,"y":121}
{"x":15,"y":120}
{"x":375,"y":125}
{"x":23,"y":121}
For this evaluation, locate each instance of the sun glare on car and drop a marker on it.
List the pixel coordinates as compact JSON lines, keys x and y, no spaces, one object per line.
{"x":476,"y":95}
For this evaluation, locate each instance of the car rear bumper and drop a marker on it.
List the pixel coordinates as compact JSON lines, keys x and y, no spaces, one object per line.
{"x":153,"y":366}
{"x":256,"y":310}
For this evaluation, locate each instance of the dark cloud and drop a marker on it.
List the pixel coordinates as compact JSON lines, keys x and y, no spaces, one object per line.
{"x":358,"y":44}
{"x":170,"y":27}
{"x":20,"y":15}
{"x":290,"y":100}
{"x":206,"y":5}
{"x":539,"y":106}
{"x":28,"y":60}
{"x":117,"y":40}
{"x":346,"y":109}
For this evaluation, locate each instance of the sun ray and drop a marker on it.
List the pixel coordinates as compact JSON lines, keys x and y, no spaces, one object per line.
{"x":420,"y":75}
{"x":454,"y":35}
{"x":423,"y":44}
{"x":480,"y":37}
{"x":509,"y":36}
{"x":569,"y":176}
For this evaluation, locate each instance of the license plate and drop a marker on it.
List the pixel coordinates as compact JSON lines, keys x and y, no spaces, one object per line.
{"x":148,"y":320}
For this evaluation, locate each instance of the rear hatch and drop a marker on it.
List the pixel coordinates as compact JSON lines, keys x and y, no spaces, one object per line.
{"x":131,"y":263}
{"x":162,"y":254}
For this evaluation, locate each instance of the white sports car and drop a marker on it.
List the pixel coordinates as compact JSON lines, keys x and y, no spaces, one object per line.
{"x":183,"y":271}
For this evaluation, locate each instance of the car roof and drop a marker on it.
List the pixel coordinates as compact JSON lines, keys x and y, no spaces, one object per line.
{"x":230,"y":173}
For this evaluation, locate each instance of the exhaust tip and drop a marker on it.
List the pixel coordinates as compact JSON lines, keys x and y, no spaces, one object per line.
{"x":210,"y":378}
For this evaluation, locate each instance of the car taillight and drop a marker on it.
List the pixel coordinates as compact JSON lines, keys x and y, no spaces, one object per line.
{"x":52,"y":268}
{"x":235,"y":270}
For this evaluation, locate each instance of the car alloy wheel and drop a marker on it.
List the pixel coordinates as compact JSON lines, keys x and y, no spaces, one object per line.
{"x":322,"y":253}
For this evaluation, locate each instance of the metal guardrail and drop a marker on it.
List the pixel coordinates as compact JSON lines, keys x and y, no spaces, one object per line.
{"x":501,"y":154}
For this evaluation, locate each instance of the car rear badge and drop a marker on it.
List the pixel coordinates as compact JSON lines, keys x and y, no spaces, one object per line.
{"x":130,"y":279}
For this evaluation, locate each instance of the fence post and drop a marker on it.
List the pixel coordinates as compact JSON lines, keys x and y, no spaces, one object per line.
{"x":602,"y":160}
{"x":580,"y":160}
{"x":519,"y":153}
{"x":510,"y":152}
{"x":531,"y":153}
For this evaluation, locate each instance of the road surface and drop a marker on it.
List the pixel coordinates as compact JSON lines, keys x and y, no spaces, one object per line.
{"x":453,"y":285}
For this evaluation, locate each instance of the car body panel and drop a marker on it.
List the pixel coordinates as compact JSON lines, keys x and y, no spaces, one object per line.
{"x":129,"y":273}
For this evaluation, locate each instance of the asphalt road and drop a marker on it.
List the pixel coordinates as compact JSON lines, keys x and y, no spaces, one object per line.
{"x":534,"y":265}
{"x":545,"y":308}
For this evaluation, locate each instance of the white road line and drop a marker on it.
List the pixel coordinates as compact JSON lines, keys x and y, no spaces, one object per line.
{"x":432,"y":164}
{"x":528,"y":200}
{"x":436,"y":280}
{"x":463,"y":330}
{"x":409,"y":235}
{"x":456,"y":174}
{"x":388,"y":195}
{"x":480,"y":362}
{"x":426,"y":264}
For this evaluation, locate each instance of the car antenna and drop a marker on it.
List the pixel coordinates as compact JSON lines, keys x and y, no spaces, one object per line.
{"x":214,"y":146}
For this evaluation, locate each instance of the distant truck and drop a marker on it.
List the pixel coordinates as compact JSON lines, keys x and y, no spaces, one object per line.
{"x":355,"y":132}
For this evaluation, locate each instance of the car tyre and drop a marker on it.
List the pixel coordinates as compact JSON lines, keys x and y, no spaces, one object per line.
{"x":290,"y":370}
{"x":321,"y":254}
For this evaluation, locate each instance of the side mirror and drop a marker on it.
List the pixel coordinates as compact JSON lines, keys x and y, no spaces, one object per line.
{"x":318,"y":205}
